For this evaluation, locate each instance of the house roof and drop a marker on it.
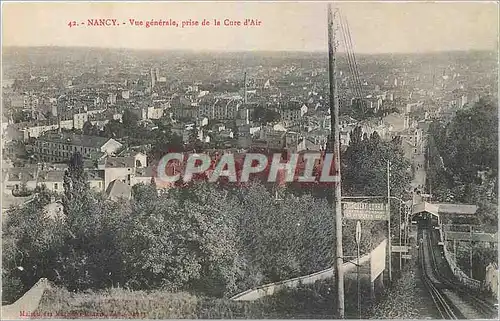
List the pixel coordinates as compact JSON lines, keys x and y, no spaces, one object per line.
{"x":292,"y":105}
{"x":117,"y":189}
{"x":95,"y":175}
{"x":51,"y":176}
{"x":395,"y":120}
{"x":145,"y":171}
{"x":426,"y":207}
{"x":120,"y":162}
{"x":447,"y":208}
{"x":73,"y":139}
{"x":22,"y":174}
{"x":309,"y":145}
{"x":346,"y":119}
{"x":408,"y":131}
{"x":467,"y":236}
{"x":9,"y":200}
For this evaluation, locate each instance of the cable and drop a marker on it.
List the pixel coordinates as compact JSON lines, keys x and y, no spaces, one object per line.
{"x":350,"y":62}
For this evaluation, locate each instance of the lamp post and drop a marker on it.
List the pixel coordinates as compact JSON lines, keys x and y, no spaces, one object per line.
{"x":358,"y":241}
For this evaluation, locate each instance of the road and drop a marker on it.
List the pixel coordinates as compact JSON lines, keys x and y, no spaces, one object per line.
{"x":418,"y":163}
{"x":420,"y":175}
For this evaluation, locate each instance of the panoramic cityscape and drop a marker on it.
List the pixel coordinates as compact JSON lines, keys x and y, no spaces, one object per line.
{"x":245,"y":160}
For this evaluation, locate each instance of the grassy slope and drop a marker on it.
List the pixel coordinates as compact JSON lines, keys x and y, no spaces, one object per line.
{"x":312,"y":301}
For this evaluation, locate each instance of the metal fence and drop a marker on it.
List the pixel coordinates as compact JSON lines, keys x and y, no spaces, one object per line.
{"x":457,"y":272}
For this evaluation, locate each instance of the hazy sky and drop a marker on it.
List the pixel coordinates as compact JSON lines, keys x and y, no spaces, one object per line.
{"x":375,"y":27}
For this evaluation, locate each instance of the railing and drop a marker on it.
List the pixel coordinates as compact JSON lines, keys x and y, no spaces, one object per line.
{"x":271,"y":288}
{"x":457,"y":272}
{"x":491,"y":279}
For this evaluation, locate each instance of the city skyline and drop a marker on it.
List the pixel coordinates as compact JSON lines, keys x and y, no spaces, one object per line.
{"x":375,"y":27}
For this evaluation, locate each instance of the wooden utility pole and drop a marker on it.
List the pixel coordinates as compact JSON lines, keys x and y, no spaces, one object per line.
{"x":470,"y":251}
{"x":335,"y":137}
{"x":400,"y":237}
{"x":389,"y":243}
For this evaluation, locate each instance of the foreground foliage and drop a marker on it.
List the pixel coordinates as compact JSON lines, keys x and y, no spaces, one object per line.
{"x":463,"y":168}
{"x":210,"y":239}
{"x":316,"y":301}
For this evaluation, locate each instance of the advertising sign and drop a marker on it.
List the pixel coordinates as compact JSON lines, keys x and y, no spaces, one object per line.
{"x":365,"y":211}
{"x":399,"y":248}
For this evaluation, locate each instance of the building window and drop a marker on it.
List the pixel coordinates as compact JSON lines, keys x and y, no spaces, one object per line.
{"x":56,"y":186}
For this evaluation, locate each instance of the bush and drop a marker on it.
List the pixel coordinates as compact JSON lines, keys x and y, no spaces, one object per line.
{"x":12,"y":288}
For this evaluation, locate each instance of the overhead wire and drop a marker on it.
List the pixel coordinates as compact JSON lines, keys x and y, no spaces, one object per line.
{"x":351,"y":59}
{"x":356,"y":69}
{"x":350,"y":62}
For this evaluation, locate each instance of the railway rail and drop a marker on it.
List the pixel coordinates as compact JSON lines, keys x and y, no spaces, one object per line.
{"x":445,"y":307}
{"x":484,"y":307}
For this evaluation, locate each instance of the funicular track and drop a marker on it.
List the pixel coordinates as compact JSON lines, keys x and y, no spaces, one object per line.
{"x":484,"y":308}
{"x":446,"y":308}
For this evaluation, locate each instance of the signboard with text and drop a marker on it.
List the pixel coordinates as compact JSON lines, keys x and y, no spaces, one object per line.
{"x":365,"y":211}
{"x":358,"y":232}
{"x":399,"y":248}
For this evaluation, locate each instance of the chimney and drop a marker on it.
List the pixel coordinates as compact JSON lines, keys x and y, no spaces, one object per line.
{"x":58,"y":120}
{"x":245,"y":80}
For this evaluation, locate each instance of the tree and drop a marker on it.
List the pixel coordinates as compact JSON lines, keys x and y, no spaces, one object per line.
{"x":264,"y":115}
{"x":185,"y":238}
{"x":471,"y":142}
{"x":114,"y":129}
{"x":82,"y":209}
{"x":165,"y":142}
{"x":235,"y":130}
{"x":89,"y":129}
{"x":130,"y":119}
{"x":193,"y":135}
{"x":460,"y":152}
{"x":364,"y":166}
{"x":31,"y":244}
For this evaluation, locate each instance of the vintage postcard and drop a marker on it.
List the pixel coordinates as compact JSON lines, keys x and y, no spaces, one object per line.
{"x":249,"y":160}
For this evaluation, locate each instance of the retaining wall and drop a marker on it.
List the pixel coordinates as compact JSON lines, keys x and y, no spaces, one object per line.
{"x":459,"y":274}
{"x":28,"y":303}
{"x":271,"y":288}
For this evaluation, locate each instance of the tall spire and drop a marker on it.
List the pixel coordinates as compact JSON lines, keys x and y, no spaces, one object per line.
{"x":245,"y":80}
{"x":153,"y":80}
